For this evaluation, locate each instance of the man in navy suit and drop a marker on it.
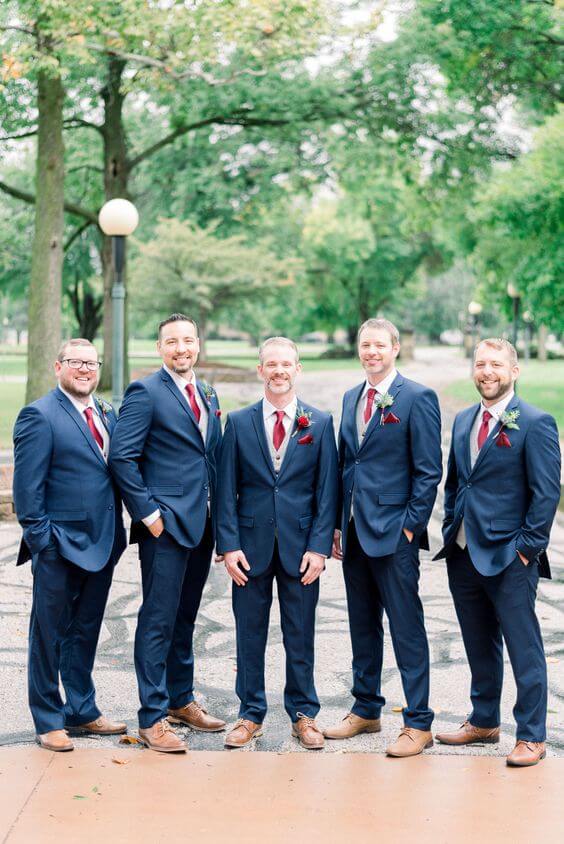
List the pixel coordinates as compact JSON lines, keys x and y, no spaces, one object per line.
{"x":390,"y":464}
{"x":163,"y":456}
{"x":73,"y":531}
{"x":276,"y":512}
{"x":501,"y":494}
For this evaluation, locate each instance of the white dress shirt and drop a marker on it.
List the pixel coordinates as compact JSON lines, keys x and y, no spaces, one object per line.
{"x":181,"y":383}
{"x":496,"y":411}
{"x":100,"y":427}
{"x":380,"y":388}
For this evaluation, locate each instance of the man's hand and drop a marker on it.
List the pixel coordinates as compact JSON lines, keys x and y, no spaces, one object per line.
{"x":234,"y":560}
{"x":408,"y":534}
{"x":219,"y":558}
{"x":312,"y":564}
{"x":523,"y":559}
{"x":337,"y":551}
{"x":157,"y":527}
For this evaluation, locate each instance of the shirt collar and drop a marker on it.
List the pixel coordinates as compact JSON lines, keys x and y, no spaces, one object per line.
{"x":78,"y":404}
{"x":497,"y":409}
{"x":290,"y":410}
{"x":179,"y":380}
{"x":383,"y":386}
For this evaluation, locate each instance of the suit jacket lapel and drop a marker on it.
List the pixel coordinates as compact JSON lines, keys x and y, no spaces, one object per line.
{"x":374,"y":423}
{"x":258,"y":423}
{"x":183,"y":404}
{"x":513,"y":404}
{"x":348,"y":422}
{"x":465,"y":433}
{"x":69,"y":407}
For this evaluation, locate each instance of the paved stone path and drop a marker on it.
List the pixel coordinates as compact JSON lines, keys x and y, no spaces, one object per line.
{"x":215,"y":643}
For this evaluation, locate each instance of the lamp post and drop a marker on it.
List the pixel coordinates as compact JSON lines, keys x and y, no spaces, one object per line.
{"x":118,"y":218}
{"x":474,"y":311}
{"x":515,"y":296}
{"x":528,"y":320}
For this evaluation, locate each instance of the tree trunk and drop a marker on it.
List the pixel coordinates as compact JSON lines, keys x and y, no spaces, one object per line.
{"x":115,"y":185}
{"x":44,"y":310}
{"x":541,"y":342}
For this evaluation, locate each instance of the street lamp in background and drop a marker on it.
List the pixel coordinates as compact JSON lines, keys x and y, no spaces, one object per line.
{"x":528,"y":320}
{"x":118,"y":218}
{"x":515,"y":296}
{"x":474,"y":311}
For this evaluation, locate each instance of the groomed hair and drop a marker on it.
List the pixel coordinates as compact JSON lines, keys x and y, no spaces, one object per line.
{"x":177,"y":318}
{"x":500,"y":344}
{"x":283,"y":341}
{"x":383,"y":325}
{"x":76,"y":341}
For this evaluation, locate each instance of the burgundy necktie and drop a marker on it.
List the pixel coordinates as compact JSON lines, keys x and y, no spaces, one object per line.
{"x":369,"y":402}
{"x":484,"y":428}
{"x":193,"y":403}
{"x":95,"y":432}
{"x":279,"y":433}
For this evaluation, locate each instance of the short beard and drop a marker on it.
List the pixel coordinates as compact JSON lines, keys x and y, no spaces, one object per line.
{"x":502,"y":391}
{"x":279,"y":389}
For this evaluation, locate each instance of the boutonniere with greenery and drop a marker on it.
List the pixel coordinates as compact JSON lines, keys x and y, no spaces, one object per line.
{"x":383,"y":402}
{"x":508,"y":419}
{"x":209,"y":391}
{"x":303,"y":419}
{"x":105,"y":407}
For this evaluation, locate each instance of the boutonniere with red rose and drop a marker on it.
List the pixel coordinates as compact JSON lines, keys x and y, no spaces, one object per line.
{"x":384,"y":401}
{"x":303,"y":421}
{"x":508,"y":419}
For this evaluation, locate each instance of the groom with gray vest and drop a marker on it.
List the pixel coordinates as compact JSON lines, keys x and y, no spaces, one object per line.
{"x":276,"y":512}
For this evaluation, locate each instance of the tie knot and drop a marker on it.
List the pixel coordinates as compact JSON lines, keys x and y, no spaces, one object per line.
{"x":190,"y":390}
{"x":371,"y":393}
{"x":88,"y":412}
{"x":280,"y":415}
{"x":486,"y":416}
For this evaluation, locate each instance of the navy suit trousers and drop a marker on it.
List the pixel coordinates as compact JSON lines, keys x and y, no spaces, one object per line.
{"x":251,"y":607}
{"x":387,"y":584}
{"x":491,"y":609}
{"x":66,"y":616}
{"x":173,"y":581}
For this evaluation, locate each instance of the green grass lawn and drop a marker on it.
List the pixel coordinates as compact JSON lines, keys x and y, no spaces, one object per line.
{"x":541,"y":384}
{"x":11,"y":400}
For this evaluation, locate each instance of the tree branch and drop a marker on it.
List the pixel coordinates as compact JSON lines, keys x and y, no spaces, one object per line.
{"x":70,"y":123}
{"x":29,"y":134}
{"x":25,"y":196}
{"x":76,"y":234}
{"x":14,"y":28}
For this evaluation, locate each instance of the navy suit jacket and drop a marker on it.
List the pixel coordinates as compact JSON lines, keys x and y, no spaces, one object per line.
{"x":297,"y":506}
{"x":63,"y":489}
{"x":509,"y":498}
{"x":160,"y":461}
{"x":391,"y":479}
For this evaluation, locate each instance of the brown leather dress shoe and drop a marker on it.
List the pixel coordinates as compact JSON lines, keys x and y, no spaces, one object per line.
{"x":162,"y":737}
{"x":526,"y":753}
{"x":243,"y":733}
{"x":467,"y":733}
{"x":102,"y":726}
{"x":353,"y":725}
{"x":196,"y":717}
{"x":410,"y":742}
{"x":306,"y":730}
{"x":56,"y":740}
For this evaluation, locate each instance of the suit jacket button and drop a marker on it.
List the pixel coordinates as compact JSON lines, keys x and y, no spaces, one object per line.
{"x":271,"y":521}
{"x":357,"y":461}
{"x":111,"y":507}
{"x":205,"y":486}
{"x":275,"y":489}
{"x":468,"y":485}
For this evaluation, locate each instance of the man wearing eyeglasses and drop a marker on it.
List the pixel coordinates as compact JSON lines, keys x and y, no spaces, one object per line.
{"x":71,"y":515}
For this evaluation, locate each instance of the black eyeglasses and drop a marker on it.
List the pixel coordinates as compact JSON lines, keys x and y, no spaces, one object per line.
{"x":91,"y":365}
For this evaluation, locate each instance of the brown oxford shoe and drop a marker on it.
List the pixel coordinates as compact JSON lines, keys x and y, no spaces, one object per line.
{"x":243,"y":733}
{"x":102,"y":726}
{"x":196,"y":717}
{"x":467,"y":733}
{"x":162,"y":737}
{"x":306,"y":730}
{"x":410,"y":742}
{"x":353,"y":725}
{"x":526,"y":753}
{"x":56,"y":740}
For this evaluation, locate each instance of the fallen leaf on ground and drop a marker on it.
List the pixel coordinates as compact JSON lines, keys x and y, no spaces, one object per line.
{"x":397,"y":708}
{"x":79,"y":797}
{"x":552,"y":659}
{"x":119,"y":761}
{"x":130,"y":740}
